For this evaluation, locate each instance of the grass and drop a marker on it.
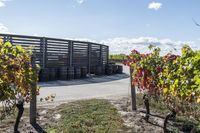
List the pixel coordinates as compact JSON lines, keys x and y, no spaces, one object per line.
{"x":87,"y":116}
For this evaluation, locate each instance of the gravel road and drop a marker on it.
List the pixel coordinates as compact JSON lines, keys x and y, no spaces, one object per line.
{"x":108,"y":87}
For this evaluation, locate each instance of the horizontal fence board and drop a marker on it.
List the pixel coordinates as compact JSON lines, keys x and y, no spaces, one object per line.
{"x":25,"y":39}
{"x":54,"y":52}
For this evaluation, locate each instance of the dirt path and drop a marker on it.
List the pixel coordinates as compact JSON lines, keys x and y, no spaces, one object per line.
{"x":134,"y":120}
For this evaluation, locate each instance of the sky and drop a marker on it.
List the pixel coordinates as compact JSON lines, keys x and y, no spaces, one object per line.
{"x":120,"y":24}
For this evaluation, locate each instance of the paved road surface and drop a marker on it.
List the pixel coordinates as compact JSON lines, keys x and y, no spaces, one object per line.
{"x":96,"y":87}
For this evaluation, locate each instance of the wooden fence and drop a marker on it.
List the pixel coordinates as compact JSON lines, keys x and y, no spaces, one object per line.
{"x":55,"y":53}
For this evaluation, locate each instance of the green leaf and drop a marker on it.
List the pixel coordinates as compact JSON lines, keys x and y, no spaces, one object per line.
{"x":20,"y":49}
{"x":8,"y":44}
{"x":151,"y":46}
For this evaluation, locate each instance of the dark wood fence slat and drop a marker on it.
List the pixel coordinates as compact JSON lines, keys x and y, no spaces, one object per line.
{"x":54,"y":52}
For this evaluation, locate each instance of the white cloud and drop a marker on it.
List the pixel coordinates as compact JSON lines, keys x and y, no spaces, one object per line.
{"x":3,"y":28}
{"x":123,"y":45}
{"x":80,"y":1}
{"x":126,"y":45}
{"x":2,"y":3}
{"x":155,"y":5}
{"x":35,"y":34}
{"x":82,"y":39}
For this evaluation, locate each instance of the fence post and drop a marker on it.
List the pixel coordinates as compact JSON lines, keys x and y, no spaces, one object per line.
{"x":70,"y":53}
{"x":107,"y":54}
{"x":45,"y":52}
{"x":42,"y":51}
{"x":10,"y":39}
{"x":33,"y":102}
{"x":89,"y":58}
{"x":4,"y":39}
{"x":133,"y":93}
{"x":101,"y":56}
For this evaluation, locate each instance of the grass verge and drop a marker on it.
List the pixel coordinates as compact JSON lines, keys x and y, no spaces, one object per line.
{"x":87,"y":116}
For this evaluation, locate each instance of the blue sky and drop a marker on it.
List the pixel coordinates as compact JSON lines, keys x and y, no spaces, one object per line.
{"x":104,"y":20}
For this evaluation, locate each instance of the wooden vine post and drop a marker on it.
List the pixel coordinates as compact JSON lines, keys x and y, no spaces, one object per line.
{"x":133,"y":93}
{"x":33,"y":101}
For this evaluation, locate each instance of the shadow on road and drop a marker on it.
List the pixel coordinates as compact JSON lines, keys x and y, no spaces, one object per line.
{"x":91,"y":80}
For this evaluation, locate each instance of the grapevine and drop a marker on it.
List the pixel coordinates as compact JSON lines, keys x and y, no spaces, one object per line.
{"x":146,"y":68}
{"x":173,"y":79}
{"x":180,"y":82}
{"x":17,"y":76}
